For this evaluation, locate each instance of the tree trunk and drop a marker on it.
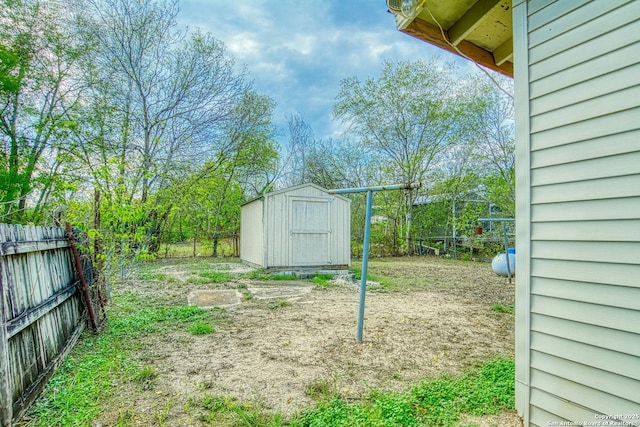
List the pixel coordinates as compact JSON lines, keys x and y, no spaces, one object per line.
{"x":216,"y":238}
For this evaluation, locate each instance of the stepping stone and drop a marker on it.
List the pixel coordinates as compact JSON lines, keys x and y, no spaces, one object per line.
{"x":214,"y":298}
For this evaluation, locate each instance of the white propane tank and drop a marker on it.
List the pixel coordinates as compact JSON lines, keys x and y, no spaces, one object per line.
{"x":499,"y":263}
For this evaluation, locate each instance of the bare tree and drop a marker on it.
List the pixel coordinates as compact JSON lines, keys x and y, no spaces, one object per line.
{"x":408,"y":116}
{"x":167,"y":93}
{"x":293,"y":167}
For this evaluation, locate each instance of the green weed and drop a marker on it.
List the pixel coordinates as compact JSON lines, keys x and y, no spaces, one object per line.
{"x":225,"y":410}
{"x":152,"y":275}
{"x":145,"y":377}
{"x":200,"y":328}
{"x":324,"y":281}
{"x":279,"y":303}
{"x":264,"y":276}
{"x":500,"y":308}
{"x":321,"y":390}
{"x":386,"y":285}
{"x":259,"y":274}
{"x":198,"y":281}
{"x":283,"y":276}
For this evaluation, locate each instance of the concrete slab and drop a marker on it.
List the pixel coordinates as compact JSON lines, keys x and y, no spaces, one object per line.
{"x":214,"y":298}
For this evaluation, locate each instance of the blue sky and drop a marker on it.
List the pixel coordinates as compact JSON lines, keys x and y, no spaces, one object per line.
{"x":297,"y":52}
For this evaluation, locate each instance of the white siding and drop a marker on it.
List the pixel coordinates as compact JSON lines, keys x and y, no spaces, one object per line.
{"x":578,"y":107}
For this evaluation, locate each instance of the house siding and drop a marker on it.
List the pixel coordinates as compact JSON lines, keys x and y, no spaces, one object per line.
{"x":578,"y":131}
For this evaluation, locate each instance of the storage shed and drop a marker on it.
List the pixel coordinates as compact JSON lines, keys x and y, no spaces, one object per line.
{"x":298,"y":227}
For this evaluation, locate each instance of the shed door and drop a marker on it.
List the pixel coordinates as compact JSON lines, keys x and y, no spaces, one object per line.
{"x":309,"y":231}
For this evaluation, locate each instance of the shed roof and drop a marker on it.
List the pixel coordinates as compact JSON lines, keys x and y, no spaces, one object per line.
{"x":296,"y":187}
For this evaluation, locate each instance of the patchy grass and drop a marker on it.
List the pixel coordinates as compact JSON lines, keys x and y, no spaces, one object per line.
{"x":145,"y":377}
{"x":228,"y":411}
{"x":385,"y":283}
{"x":264,"y":276}
{"x":103,"y":368}
{"x":90,"y":374}
{"x":322,"y":390}
{"x":150,"y":275}
{"x":436,"y":402}
{"x":215,"y":276}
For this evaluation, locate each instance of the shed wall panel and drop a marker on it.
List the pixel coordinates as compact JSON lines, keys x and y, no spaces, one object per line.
{"x":252,"y":235}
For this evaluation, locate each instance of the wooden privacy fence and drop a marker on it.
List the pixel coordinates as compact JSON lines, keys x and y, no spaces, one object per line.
{"x":42,"y":310}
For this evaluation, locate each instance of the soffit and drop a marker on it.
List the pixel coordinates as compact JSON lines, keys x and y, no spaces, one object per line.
{"x":480,"y":30}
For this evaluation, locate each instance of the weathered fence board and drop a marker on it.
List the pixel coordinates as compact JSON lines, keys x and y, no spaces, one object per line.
{"x":42,"y":313}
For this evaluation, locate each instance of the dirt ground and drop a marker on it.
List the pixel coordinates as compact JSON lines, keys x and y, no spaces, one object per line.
{"x":277,"y":353}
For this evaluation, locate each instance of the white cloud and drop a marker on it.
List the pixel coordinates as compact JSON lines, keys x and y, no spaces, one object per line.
{"x":244,"y":46}
{"x":301,"y":44}
{"x":297,"y":52}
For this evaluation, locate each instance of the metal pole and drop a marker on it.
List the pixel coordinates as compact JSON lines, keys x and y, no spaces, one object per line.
{"x":365,"y":264}
{"x":455,"y":244}
{"x":405,"y":186}
{"x":506,"y":248}
{"x":367,"y":235}
{"x":83,"y":283}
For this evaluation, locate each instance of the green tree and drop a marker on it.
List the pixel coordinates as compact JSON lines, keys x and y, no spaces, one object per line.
{"x":209,"y":199}
{"x":496,"y":144}
{"x":408,"y":116}
{"x":157,"y":105}
{"x":38,"y":93}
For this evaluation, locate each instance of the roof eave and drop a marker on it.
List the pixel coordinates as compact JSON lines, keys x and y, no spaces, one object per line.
{"x":431,"y":34}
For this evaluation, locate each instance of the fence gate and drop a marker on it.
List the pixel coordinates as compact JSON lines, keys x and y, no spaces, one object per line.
{"x":42,"y":312}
